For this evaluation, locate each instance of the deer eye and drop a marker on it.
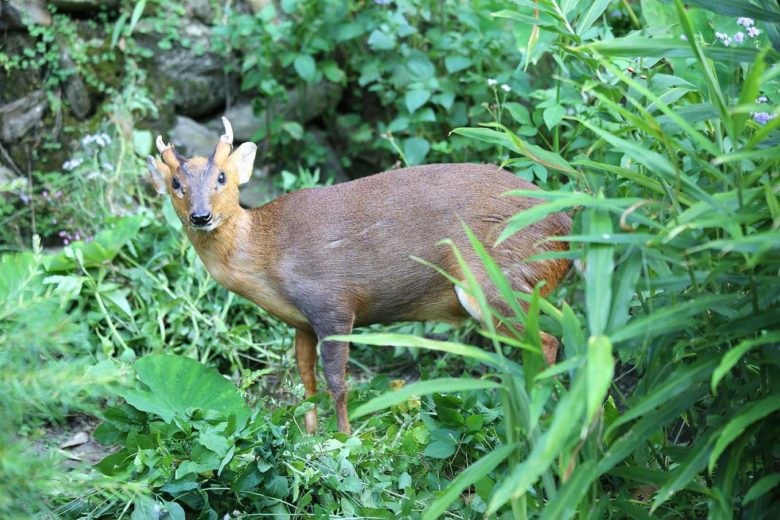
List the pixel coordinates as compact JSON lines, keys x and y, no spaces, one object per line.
{"x":221,"y":179}
{"x":176,"y":184}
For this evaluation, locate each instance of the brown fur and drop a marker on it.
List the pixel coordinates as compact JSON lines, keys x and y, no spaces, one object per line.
{"x":326,"y":259}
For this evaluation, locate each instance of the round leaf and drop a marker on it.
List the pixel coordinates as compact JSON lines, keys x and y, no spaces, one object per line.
{"x":174,"y":384}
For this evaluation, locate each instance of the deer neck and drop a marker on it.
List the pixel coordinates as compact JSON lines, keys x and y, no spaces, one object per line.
{"x":221,"y":249}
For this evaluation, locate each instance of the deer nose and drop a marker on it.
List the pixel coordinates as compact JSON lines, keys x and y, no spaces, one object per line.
{"x":200,"y":219}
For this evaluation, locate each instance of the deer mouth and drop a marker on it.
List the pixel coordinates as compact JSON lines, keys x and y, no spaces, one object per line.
{"x":210,"y":226}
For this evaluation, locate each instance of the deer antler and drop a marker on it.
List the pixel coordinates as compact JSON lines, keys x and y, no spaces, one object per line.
{"x":227,"y":137}
{"x":161,"y":146}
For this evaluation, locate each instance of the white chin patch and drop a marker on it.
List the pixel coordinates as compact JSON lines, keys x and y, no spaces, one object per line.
{"x":214,"y":224}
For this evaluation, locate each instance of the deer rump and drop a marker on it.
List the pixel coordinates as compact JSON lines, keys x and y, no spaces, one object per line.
{"x":350,"y":247}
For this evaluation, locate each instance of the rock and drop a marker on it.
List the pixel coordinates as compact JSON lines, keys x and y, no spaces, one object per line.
{"x":83,"y":6}
{"x":18,"y":117}
{"x":6,"y":176}
{"x":14,"y":13}
{"x":75,"y":90}
{"x":193,"y":138}
{"x":200,"y":10}
{"x":197,"y":78}
{"x":259,"y":190}
{"x":76,"y":440}
{"x":301,"y":106}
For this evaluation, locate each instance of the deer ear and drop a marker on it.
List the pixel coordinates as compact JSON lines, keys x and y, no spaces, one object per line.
{"x":242,"y":160}
{"x":159,"y":173}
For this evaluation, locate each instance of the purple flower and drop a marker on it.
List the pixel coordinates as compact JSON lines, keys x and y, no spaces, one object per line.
{"x":745,"y":22}
{"x":763,"y":118}
{"x":739,"y":37}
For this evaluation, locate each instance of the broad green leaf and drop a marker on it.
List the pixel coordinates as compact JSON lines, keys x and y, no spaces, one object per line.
{"x":420,"y":66}
{"x":731,"y":357}
{"x":468,"y":477}
{"x":518,"y":112}
{"x":457,"y":63}
{"x":750,"y":91}
{"x":380,"y":40}
{"x":600,"y":368}
{"x":751,"y":413}
{"x":174,"y":384}
{"x":416,"y":98}
{"x":415,"y":150}
{"x":441,"y":449}
{"x":598,"y":272}
{"x":306,"y":67}
{"x":103,"y":248}
{"x":553,"y":115}
{"x":441,"y":385}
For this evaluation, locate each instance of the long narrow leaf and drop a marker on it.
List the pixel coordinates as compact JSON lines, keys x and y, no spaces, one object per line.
{"x":441,"y":385}
{"x":468,"y":477}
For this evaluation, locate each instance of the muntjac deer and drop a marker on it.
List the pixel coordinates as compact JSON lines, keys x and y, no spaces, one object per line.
{"x":325,"y":260}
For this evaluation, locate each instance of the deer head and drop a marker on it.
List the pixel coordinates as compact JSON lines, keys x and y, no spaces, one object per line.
{"x":204,"y":190}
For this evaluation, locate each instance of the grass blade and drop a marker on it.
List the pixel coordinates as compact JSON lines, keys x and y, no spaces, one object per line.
{"x":467,"y":477}
{"x":440,"y":385}
{"x":736,"y":426}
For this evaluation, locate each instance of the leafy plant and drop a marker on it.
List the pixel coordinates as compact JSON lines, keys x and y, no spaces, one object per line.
{"x":675,"y":225}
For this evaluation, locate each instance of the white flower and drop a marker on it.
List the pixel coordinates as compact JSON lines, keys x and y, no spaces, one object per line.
{"x":492,"y":82}
{"x":753,"y":31}
{"x":683,"y":37}
{"x":761,"y":99}
{"x":505,"y":87}
{"x":72,"y":164}
{"x":727,"y":42}
{"x":745,"y":22}
{"x":739,"y":37}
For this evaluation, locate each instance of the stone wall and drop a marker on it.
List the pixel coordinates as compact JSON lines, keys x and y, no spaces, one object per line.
{"x":189,"y":83}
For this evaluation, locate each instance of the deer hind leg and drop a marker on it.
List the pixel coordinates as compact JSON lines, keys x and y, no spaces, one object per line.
{"x":335,"y":355}
{"x":470,"y":304}
{"x":306,"y":357}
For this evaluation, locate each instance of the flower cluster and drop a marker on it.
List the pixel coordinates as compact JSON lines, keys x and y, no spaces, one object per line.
{"x":739,"y":37}
{"x":68,"y":237}
{"x":102,"y":140}
{"x":492,"y":83}
{"x":763,"y":118}
{"x":72,"y":164}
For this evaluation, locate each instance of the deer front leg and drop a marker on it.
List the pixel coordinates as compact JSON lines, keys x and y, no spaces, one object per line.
{"x":306,"y":357}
